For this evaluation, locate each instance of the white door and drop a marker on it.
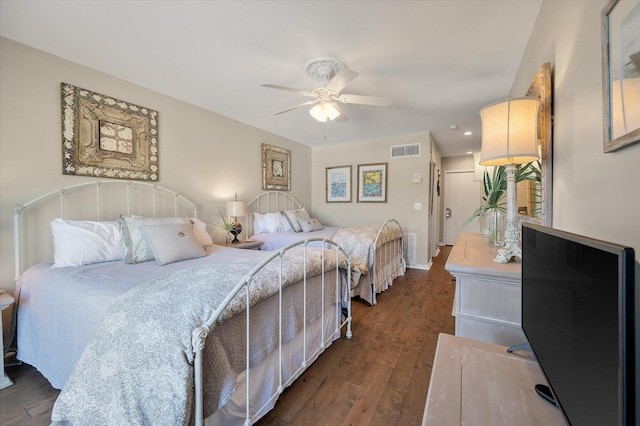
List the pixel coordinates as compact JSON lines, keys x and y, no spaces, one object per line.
{"x":461,"y":198}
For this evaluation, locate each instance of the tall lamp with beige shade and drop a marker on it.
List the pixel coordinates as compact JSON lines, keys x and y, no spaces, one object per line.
{"x":234,"y":210}
{"x":509,"y":138}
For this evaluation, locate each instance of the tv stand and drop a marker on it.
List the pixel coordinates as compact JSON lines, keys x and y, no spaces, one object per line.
{"x":545,"y":393}
{"x":520,"y":347}
{"x":474,"y":382}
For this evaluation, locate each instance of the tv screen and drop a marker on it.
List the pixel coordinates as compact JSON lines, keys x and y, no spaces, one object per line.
{"x":578,"y":316}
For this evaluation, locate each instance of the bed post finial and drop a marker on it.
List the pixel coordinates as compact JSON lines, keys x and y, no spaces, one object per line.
{"x":18,"y":208}
{"x":198,"y":337}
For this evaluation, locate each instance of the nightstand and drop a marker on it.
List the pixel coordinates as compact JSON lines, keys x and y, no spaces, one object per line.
{"x":5,"y":301}
{"x":246,"y":245}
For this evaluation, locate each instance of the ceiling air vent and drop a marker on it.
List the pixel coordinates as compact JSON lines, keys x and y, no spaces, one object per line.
{"x":400,"y":151}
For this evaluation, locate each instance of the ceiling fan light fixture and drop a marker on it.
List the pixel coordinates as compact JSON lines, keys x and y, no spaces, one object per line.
{"x":324,"y":111}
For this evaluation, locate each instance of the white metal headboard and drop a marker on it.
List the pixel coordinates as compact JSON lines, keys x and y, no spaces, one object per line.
{"x":134,"y":194}
{"x":270,"y":202}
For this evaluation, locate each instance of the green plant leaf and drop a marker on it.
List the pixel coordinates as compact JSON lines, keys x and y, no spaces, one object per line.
{"x":223,"y":222}
{"x":495,"y":187}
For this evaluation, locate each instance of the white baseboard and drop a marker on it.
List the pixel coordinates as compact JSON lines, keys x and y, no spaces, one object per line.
{"x":419,"y":266}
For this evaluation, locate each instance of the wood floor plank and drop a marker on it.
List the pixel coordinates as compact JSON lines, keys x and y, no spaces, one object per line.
{"x":380,"y":377}
{"x":365,"y":406}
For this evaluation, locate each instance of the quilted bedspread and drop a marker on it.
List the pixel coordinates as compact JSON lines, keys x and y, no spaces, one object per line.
{"x":138,"y":367}
{"x":359,"y":243}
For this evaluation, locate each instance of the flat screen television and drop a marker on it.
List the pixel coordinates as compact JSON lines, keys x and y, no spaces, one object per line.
{"x":578,"y":314}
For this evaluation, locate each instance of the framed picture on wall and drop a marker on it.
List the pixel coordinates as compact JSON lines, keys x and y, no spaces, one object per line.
{"x":276,"y":168}
{"x":621,"y":74}
{"x":372,"y":183}
{"x":338,"y":184}
{"x":107,"y":137}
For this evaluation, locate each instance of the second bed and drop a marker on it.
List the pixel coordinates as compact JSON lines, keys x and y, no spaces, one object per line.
{"x":276,"y":218}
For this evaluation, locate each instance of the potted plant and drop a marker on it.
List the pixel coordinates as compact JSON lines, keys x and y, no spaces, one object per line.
{"x":493,"y":211}
{"x":230,"y":226}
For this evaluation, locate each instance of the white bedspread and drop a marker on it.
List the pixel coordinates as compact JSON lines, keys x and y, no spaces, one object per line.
{"x":360,"y":243}
{"x":277,"y":240}
{"x":137,"y":368}
{"x":60,"y":309}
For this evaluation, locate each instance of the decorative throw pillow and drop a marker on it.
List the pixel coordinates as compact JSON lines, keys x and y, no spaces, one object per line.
{"x":138,"y":249}
{"x":200,"y":231}
{"x":310,"y":225}
{"x":172,"y":243}
{"x":293,"y":216}
{"x":81,"y":242}
{"x":269,"y":222}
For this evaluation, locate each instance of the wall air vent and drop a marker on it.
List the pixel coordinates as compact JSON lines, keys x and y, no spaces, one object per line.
{"x":401,"y":151}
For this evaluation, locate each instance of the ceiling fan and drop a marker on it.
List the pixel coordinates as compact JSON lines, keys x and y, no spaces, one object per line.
{"x":334,"y":76}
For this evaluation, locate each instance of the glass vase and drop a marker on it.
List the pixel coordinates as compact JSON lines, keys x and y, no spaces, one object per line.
{"x":494,"y":226}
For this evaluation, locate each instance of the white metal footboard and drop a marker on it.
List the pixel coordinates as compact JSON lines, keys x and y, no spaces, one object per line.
{"x":388,"y":259}
{"x":199,"y":334}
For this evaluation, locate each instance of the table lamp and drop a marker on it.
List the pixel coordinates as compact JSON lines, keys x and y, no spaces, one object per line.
{"x":509,"y":138}
{"x":234,"y":209}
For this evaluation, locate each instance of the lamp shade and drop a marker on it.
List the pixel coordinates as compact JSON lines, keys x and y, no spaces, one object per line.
{"x":324,"y":111}
{"x":510,"y":132}
{"x":236,"y":208}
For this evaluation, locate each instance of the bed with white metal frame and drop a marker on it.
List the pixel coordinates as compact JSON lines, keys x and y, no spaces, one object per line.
{"x":386,"y":256}
{"x":161,"y":199}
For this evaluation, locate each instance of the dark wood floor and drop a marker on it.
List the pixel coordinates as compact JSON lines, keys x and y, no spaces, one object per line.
{"x":380,"y":377}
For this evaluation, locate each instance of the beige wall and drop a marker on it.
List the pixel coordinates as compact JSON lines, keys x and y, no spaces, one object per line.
{"x":204,"y":156}
{"x":402,"y":193}
{"x":594,"y":194}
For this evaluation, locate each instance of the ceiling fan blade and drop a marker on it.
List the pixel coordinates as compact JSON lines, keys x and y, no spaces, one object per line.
{"x":341,"y":79}
{"x":288,"y":89}
{"x":297,"y":106}
{"x":364,"y":100}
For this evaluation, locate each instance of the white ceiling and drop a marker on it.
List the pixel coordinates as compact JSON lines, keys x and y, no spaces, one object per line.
{"x":440,"y":61}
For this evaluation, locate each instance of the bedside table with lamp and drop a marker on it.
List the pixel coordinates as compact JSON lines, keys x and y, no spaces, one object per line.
{"x":234,"y":210}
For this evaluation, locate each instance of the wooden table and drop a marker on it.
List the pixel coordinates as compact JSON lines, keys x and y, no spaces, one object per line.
{"x":479,"y":383}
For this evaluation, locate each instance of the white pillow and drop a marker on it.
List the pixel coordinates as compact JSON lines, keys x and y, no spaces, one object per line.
{"x":172,"y":243}
{"x":310,"y":225}
{"x":80,"y":242}
{"x":269,"y":222}
{"x":138,"y":249}
{"x":292,"y":217}
{"x":200,"y":231}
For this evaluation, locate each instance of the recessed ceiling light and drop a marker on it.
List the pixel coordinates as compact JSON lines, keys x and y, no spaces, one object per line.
{"x":469,"y":152}
{"x":468,"y":133}
{"x":453,"y":127}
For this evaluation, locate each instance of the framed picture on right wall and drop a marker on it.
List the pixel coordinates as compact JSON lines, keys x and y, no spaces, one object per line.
{"x":372,"y":183}
{"x":621,"y":74}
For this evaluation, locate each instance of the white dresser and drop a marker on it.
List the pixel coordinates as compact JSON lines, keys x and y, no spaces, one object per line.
{"x":488,"y":299}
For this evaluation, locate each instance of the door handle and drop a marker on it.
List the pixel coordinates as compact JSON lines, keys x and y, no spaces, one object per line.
{"x":447,"y":213}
